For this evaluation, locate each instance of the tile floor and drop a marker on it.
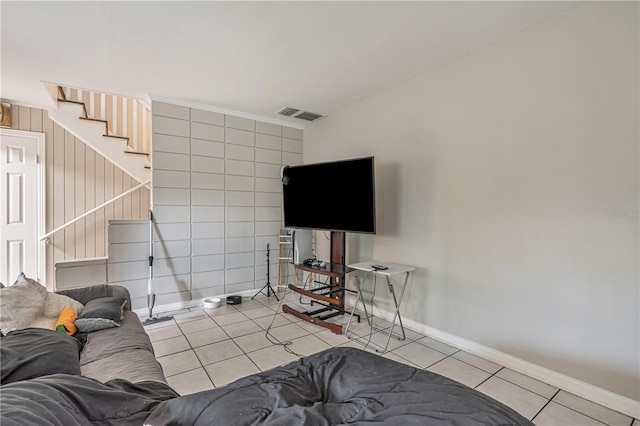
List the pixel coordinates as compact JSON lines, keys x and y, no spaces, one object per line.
{"x":203,"y":349}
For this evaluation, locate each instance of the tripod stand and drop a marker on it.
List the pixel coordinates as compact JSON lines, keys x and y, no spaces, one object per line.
{"x":268,"y":284}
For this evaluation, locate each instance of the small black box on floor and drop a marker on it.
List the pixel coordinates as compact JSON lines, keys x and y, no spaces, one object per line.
{"x":234,"y":300}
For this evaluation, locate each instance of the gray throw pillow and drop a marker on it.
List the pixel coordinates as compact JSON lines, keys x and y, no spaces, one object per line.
{"x":101,"y":313}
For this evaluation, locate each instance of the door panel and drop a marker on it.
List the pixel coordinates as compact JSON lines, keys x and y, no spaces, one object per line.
{"x":19,"y":219}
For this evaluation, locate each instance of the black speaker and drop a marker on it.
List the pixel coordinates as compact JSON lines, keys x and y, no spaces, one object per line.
{"x":234,"y":300}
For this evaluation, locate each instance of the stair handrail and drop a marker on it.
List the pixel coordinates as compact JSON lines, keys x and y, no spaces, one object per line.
{"x":106,"y":203}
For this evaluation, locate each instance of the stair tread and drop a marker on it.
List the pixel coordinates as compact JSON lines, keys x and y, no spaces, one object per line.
{"x":115,"y":136}
{"x":70,"y":101}
{"x":94,"y":119}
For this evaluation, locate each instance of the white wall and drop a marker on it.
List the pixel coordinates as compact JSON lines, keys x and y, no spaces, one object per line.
{"x":497,"y":175}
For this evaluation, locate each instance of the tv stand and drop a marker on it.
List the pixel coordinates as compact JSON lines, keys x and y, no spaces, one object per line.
{"x":331,"y":296}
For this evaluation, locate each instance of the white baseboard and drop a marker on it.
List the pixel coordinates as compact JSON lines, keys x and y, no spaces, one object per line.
{"x":577,"y":387}
{"x":169,"y":307}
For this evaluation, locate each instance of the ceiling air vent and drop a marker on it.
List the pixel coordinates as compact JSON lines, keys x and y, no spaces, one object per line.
{"x":297,"y":113}
{"x":309,"y":116}
{"x":288,"y":111}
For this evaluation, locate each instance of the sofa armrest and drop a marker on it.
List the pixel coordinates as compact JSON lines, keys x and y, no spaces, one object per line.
{"x":85,"y":294}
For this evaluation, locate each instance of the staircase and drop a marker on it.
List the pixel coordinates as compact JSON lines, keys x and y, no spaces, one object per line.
{"x":102,"y":121}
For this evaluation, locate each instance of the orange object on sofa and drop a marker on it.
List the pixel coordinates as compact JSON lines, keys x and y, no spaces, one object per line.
{"x":65,"y":323}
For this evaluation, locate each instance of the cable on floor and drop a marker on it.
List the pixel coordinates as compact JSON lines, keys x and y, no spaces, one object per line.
{"x":271,"y":338}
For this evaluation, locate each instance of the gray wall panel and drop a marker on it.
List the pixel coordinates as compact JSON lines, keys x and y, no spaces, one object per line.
{"x":217,"y":195}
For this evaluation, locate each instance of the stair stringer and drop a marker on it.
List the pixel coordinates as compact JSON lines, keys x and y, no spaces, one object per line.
{"x":91,"y":133}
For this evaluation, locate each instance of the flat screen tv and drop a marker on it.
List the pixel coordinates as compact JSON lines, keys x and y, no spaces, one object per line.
{"x":333,"y":196}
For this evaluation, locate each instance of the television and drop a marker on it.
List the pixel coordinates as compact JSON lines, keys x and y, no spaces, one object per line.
{"x":332,"y":196}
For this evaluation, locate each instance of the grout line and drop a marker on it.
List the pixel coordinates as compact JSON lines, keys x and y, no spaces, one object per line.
{"x":493,"y":375}
{"x":545,"y":405}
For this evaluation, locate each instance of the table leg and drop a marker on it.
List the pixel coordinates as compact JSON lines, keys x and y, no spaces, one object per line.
{"x":355,"y":305}
{"x":397,"y":313}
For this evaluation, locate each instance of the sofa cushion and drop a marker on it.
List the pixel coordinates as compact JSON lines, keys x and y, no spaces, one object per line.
{"x":36,"y":352}
{"x":101,"y":313}
{"x":124,"y":352}
{"x":85,"y":294}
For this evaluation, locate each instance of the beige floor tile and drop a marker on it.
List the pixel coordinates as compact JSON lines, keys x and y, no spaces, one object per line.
{"x":258,"y":312}
{"x":223,"y":309}
{"x":419,"y":354}
{"x":241,"y":328}
{"x":558,"y":415}
{"x":217,"y":352}
{"x":382,"y":324}
{"x":460,"y":372}
{"x":394,"y":357}
{"x":438,"y":345}
{"x":265,"y":322}
{"x":270,"y":301}
{"x":156,"y":325}
{"x":523,"y":401}
{"x":413,"y":335}
{"x":308,"y":345}
{"x":311,"y":328}
{"x":190,"y":316}
{"x":197,"y":325}
{"x":248,"y":304}
{"x":190,"y":382}
{"x":332,"y":338}
{"x":476,"y":361}
{"x":288,"y":332}
{"x":527,"y":382}
{"x":206,"y":337}
{"x":179,"y":363}
{"x":379,"y":340}
{"x":360,"y":329}
{"x":591,"y":409}
{"x":253,"y":342}
{"x":270,"y":357}
{"x":230,"y":318}
{"x":166,"y":332}
{"x":170,"y":346}
{"x":231,"y":369}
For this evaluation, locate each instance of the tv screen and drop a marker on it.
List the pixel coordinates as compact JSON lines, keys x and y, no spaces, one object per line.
{"x":333,"y":196}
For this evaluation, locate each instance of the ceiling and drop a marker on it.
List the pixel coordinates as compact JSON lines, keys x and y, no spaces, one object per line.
{"x":252,"y":57}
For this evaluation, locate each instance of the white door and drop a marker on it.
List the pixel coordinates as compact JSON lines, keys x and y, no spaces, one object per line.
{"x":20,"y":213}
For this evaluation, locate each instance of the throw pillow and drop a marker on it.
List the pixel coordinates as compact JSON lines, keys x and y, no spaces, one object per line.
{"x":36,"y":352}
{"x":101,"y":313}
{"x":54,"y":304}
{"x":21,"y":304}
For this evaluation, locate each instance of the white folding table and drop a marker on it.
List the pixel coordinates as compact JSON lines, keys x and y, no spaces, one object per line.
{"x":363,"y":270}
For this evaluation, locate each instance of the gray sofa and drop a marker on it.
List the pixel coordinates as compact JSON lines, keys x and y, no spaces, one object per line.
{"x":123,"y":352}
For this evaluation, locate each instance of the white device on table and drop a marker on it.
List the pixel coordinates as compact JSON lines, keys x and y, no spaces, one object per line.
{"x":302,"y":248}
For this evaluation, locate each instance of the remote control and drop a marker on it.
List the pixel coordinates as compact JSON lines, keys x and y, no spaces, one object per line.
{"x":379,"y":267}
